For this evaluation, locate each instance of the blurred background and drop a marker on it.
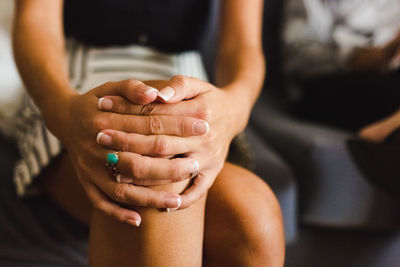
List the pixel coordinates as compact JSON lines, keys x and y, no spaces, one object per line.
{"x":10,"y":84}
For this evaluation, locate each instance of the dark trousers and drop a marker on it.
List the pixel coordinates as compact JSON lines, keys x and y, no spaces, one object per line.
{"x":348,"y":100}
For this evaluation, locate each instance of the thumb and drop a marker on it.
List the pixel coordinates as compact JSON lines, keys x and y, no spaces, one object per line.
{"x":182,"y":87}
{"x":134,"y":91}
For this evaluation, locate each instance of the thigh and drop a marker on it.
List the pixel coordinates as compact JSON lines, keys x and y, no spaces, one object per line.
{"x":163,"y":239}
{"x":243,"y":220}
{"x":60,"y":183}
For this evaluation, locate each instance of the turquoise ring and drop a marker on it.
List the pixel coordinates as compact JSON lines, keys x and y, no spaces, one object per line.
{"x":112,"y":158}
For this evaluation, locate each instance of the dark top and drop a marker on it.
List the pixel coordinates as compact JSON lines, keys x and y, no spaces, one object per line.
{"x":169,"y":25}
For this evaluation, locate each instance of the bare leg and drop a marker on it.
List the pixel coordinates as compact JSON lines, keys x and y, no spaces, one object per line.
{"x":243,"y":224}
{"x":59,"y":181}
{"x":163,"y":239}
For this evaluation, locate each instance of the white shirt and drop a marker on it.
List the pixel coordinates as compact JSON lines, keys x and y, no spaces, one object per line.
{"x":320,"y":34}
{"x":350,"y":23}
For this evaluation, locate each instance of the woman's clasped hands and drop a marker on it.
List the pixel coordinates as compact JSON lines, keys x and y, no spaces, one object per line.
{"x":164,"y":132}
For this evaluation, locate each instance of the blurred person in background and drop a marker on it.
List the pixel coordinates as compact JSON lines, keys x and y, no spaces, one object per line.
{"x":342,"y":68}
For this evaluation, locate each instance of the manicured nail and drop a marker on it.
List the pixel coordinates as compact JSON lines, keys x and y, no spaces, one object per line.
{"x":133,"y":222}
{"x":104,"y":139}
{"x":118,"y":178}
{"x":150,"y":90}
{"x":105,"y":103}
{"x":201,"y":127}
{"x":167,"y":93}
{"x":175,"y":202}
{"x":195,"y":172}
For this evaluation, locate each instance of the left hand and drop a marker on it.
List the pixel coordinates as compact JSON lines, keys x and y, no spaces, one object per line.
{"x":221,"y":109}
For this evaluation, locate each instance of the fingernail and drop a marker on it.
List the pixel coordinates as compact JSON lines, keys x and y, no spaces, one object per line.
{"x":173,"y":209}
{"x":133,"y":222}
{"x":150,"y":90}
{"x":201,"y":127}
{"x":118,"y":178}
{"x":195,"y":171}
{"x":174,"y":202}
{"x":104,"y":139}
{"x":167,"y":93}
{"x":105,"y":103}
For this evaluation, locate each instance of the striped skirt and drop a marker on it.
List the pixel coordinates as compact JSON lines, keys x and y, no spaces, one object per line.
{"x":90,"y":67}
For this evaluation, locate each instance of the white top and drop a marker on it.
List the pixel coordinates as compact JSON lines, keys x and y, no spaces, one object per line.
{"x":322,"y":33}
{"x":350,"y":23}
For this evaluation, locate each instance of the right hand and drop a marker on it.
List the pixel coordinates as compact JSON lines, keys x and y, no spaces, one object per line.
{"x":377,"y":57}
{"x":82,"y":120}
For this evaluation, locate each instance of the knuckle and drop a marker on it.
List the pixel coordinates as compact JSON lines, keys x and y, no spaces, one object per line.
{"x":180,"y":80}
{"x":209,"y":139}
{"x":134,"y":169}
{"x":138,"y":168}
{"x":204,"y":112}
{"x":119,"y":192}
{"x":155,"y":125}
{"x":132,"y":83}
{"x":124,"y":144}
{"x":121,"y":106}
{"x":207,"y":113}
{"x":100,"y":122}
{"x":174,"y":173}
{"x":150,"y":201}
{"x":181,"y":126}
{"x":149,"y":109}
{"x":160,"y":145}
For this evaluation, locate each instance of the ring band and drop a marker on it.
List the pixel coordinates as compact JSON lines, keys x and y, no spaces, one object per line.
{"x":113,"y":158}
{"x":112,"y":170}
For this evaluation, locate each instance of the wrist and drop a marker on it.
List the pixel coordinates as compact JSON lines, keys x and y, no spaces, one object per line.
{"x":240,"y":103}
{"x":56,"y":111}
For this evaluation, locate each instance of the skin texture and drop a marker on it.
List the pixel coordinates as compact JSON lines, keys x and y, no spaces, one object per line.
{"x":250,"y":236}
{"x":210,"y":103}
{"x":42,"y":65}
{"x":39,"y":53}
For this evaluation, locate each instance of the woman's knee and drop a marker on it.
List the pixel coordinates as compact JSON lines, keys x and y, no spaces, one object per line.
{"x":255,"y":216}
{"x":263,"y":229}
{"x":264,"y":234}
